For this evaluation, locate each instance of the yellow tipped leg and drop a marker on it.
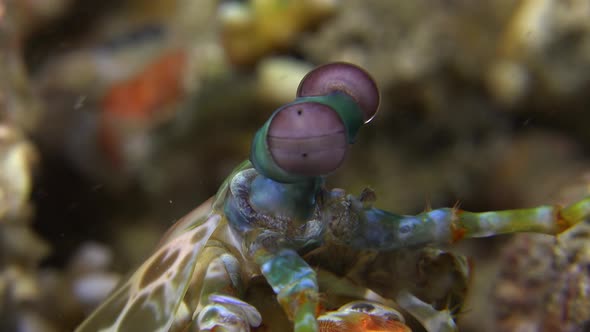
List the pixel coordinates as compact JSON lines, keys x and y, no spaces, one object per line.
{"x":295,"y":284}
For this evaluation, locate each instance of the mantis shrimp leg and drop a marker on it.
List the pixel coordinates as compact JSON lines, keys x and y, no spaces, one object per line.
{"x":221,"y":288}
{"x":431,"y":318}
{"x":295,"y":284}
{"x":362,"y":226}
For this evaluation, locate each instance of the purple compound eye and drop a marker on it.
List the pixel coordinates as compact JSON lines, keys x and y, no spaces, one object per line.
{"x":344,"y":77}
{"x":307,"y":138}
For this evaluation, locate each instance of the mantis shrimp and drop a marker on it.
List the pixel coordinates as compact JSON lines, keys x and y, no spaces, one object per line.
{"x":274,"y":219}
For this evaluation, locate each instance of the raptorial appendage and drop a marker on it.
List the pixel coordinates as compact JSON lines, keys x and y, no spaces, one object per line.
{"x":360,"y":225}
{"x":295,"y":284}
{"x":219,"y":307}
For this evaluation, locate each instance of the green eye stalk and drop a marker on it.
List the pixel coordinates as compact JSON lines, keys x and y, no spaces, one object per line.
{"x":301,"y":143}
{"x":265,"y":219}
{"x":309,"y":137}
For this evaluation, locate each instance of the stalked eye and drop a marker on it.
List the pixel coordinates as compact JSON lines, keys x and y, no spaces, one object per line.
{"x":307,"y":138}
{"x":362,"y":307}
{"x":346,"y":78}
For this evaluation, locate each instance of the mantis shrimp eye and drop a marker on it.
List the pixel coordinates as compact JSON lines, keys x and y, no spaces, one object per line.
{"x":346,"y":78}
{"x":362,"y":307}
{"x":307,"y":138}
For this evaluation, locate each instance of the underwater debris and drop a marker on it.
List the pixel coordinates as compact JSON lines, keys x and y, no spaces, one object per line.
{"x":17,"y":160}
{"x":544,"y":284}
{"x":544,"y":47}
{"x":20,"y":248}
{"x":278,"y":77}
{"x":256,"y":28}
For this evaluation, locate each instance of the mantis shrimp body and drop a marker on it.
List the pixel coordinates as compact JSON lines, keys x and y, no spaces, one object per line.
{"x":274,"y":218}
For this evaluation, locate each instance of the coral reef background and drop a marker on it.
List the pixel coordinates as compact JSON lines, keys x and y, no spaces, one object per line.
{"x":118,"y":117}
